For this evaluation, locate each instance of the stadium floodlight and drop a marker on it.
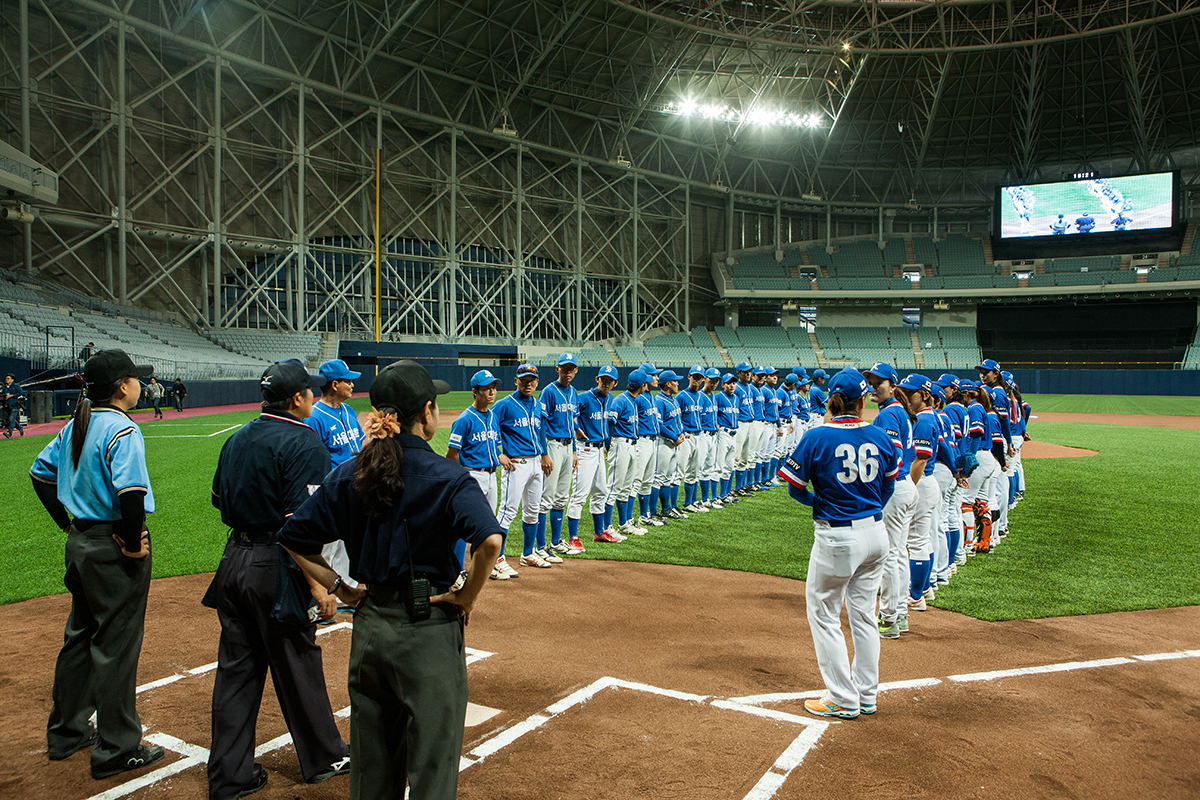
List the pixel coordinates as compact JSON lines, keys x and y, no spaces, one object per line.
{"x":724,"y":112}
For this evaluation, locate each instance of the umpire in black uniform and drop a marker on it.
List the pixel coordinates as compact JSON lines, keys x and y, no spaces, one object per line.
{"x":265,"y":471}
{"x":400,"y":509}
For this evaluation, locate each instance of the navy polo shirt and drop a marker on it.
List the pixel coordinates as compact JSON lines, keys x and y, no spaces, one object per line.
{"x":266,"y":470}
{"x":441,"y":504}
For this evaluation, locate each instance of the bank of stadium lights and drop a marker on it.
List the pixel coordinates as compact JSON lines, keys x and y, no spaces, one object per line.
{"x":757,"y":116}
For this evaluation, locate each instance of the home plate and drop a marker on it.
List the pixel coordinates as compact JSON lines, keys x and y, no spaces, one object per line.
{"x":477,"y":715}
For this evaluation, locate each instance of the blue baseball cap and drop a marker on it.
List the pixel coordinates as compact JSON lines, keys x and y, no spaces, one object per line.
{"x":989,"y":364}
{"x":759,"y":370}
{"x":743,"y":367}
{"x":696,"y":370}
{"x":483,"y":378}
{"x":336,"y":370}
{"x":1007,"y":377}
{"x":527,"y":371}
{"x":638,"y":378}
{"x":791,"y":379}
{"x":965,"y":385}
{"x":712,"y":372}
{"x":649,"y":369}
{"x":728,"y":377}
{"x":938,"y":391}
{"x":805,"y":380}
{"x":799,"y":371}
{"x":567,"y":358}
{"x":608,"y":372}
{"x":883,"y":371}
{"x":947,"y":379}
{"x":849,"y":383}
{"x":916,"y":382}
{"x":667,"y":376}
{"x":820,"y":373}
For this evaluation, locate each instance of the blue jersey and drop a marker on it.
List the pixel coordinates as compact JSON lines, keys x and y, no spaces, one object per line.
{"x":976,"y":428}
{"x":756,"y":401}
{"x":623,"y":416}
{"x":560,"y":409}
{"x":770,"y":411}
{"x":668,"y":411}
{"x":649,"y":420}
{"x":593,"y":416}
{"x":817,"y":399}
{"x":113,"y":462}
{"x":926,"y":432}
{"x":958,"y":419}
{"x":1016,"y":417}
{"x":745,"y":403}
{"x":708,"y":411}
{"x":947,"y":449}
{"x":476,"y":436}
{"x":802,"y":406}
{"x":994,"y":434}
{"x":788,"y":409}
{"x":689,"y":410}
{"x":338,"y":429}
{"x":850,"y":465}
{"x":893,"y":419}
{"x":519,"y":420}
{"x":727,"y":410}
{"x":1000,"y":405}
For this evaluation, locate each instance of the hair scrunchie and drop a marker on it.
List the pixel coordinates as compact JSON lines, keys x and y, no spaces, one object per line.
{"x":381,"y":425}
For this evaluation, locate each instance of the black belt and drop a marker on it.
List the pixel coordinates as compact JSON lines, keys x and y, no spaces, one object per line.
{"x":86,"y":526}
{"x":848,"y":523}
{"x":559,"y":441}
{"x":397,"y":595}
{"x":625,"y":439}
{"x":709,"y":433}
{"x":593,"y":444}
{"x":488,"y":470}
{"x":246,"y":537}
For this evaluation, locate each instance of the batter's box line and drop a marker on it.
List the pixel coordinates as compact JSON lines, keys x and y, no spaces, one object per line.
{"x":971,"y":677}
{"x":473,"y":655}
{"x":765,"y":788}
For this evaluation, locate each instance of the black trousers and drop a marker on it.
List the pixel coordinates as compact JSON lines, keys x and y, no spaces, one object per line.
{"x":408,"y":695}
{"x":243,"y":593}
{"x":96,"y":670}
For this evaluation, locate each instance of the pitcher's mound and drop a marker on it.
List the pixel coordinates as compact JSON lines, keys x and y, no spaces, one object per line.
{"x":1033,"y":449}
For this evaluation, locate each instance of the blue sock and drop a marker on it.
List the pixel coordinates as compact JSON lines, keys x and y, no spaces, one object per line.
{"x":674,"y":495}
{"x":608,"y":510}
{"x":598,"y":523}
{"x":556,"y":518}
{"x":629,"y":510}
{"x":644,"y":504}
{"x":607,"y":514}
{"x":774,"y":468}
{"x":541,"y":531}
{"x":689,"y":493}
{"x":655,"y":493}
{"x":1012,"y":490}
{"x":705,"y":487}
{"x":953,"y":536}
{"x":572,"y":528}
{"x":740,"y":477}
{"x":529,"y":529}
{"x":724,"y":488}
{"x":915,"y":587}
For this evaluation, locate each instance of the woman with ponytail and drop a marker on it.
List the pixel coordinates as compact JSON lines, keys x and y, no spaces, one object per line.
{"x":92,"y":480}
{"x":401,"y":510}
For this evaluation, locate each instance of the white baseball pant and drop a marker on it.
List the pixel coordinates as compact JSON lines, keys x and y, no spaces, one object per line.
{"x":645,"y":456}
{"x":999,"y":495}
{"x":741,"y":445}
{"x":897,"y":518}
{"x":620,"y":471}
{"x":941,"y":545}
{"x":1019,"y":469}
{"x":710,"y":469}
{"x":557,"y":490}
{"x":591,"y":479}
{"x":666,"y":469}
{"x":766,"y":443}
{"x":690,"y":457}
{"x":521,"y":486}
{"x":846,"y":565}
{"x":920,"y":530}
{"x":487,"y":482}
{"x":726,"y":445}
{"x":782,"y":450}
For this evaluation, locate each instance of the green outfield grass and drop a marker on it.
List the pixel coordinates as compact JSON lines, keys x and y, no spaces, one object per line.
{"x":1094,"y":535}
{"x":1114,"y":404}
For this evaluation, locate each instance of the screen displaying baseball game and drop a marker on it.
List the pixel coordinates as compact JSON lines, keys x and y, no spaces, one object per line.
{"x":1091,"y":206}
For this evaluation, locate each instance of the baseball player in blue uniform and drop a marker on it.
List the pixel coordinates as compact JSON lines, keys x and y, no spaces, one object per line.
{"x":770,"y":432}
{"x":336,"y":423}
{"x":816,"y":395}
{"x":560,"y":412}
{"x":978,"y":441}
{"x":475,"y":444}
{"x":1017,"y":418}
{"x":783,"y":411}
{"x":727,"y":428}
{"x":956,"y":413}
{"x":710,"y":472}
{"x":916,"y":392}
{"x":523,"y":458}
{"x":646,"y":451}
{"x":993,"y":381}
{"x":947,"y":472}
{"x":623,"y":433}
{"x":758,"y":469}
{"x":1085,"y":222}
{"x":667,"y":475}
{"x":894,"y":420}
{"x":744,"y":442}
{"x":95,"y":469}
{"x":691,"y":451}
{"x":591,"y":476}
{"x":851,"y":468}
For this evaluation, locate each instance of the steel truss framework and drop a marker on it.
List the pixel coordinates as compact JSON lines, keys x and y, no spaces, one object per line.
{"x":217,"y":158}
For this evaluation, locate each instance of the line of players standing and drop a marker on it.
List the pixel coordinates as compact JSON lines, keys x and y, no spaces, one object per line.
{"x":719,"y":437}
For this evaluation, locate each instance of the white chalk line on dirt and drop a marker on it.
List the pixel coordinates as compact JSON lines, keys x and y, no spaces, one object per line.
{"x":1068,"y":666}
{"x":473,"y":655}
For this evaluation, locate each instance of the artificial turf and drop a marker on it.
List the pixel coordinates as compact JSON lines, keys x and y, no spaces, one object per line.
{"x":1112,"y":532}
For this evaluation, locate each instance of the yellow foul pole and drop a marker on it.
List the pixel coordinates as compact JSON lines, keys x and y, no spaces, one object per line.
{"x":377,"y":252}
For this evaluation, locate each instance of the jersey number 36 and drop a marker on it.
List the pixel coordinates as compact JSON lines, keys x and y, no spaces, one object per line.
{"x":861,"y":464}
